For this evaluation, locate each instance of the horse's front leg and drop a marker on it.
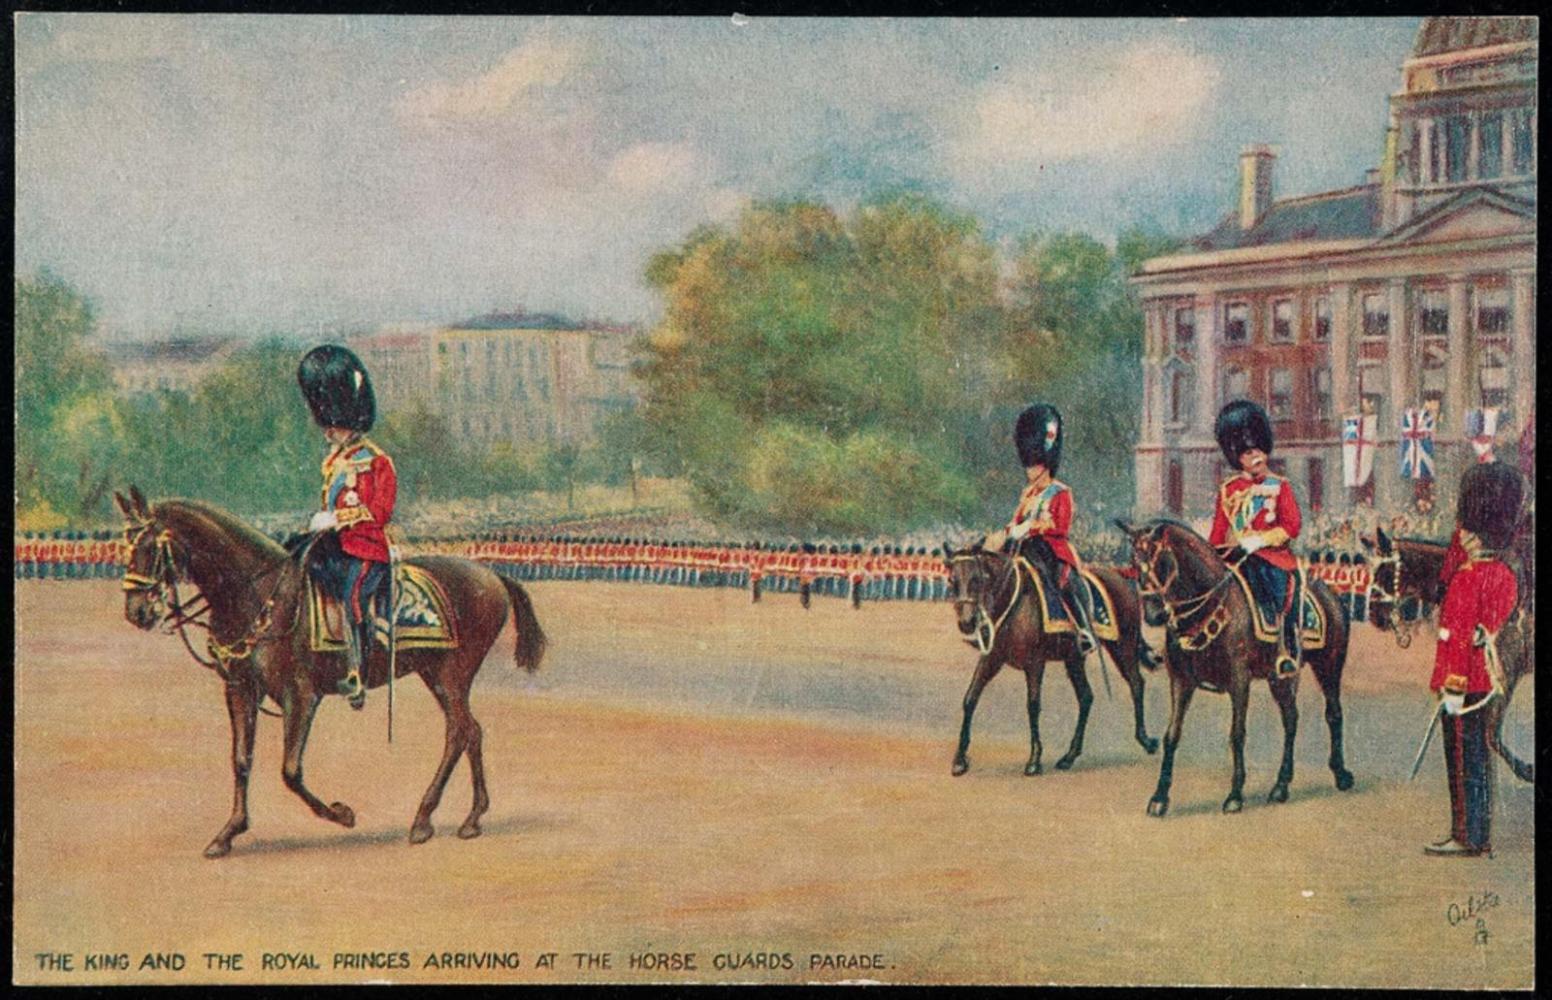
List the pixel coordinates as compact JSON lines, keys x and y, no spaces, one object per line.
{"x":985,"y":669}
{"x":297,"y":717}
{"x":242,"y":706}
{"x":1285,"y":692}
{"x":1239,"y":700}
{"x":1034,"y":679}
{"x":1180,"y":692}
{"x":1085,"y":696}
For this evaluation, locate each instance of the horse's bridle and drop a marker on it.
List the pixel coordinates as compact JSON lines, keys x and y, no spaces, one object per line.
{"x":1391,"y":596}
{"x":1178,"y":612}
{"x":986,"y":626}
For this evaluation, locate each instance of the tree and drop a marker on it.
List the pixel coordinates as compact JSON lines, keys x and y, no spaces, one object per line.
{"x":561,"y":465}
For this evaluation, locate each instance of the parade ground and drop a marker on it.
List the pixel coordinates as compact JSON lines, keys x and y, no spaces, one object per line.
{"x":695,"y":788}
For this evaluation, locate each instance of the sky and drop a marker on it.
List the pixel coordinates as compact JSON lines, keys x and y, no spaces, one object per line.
{"x":247,"y":174}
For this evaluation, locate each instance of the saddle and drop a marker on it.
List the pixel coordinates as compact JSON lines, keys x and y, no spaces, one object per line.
{"x":1056,"y":617}
{"x":422,"y":617}
{"x":1265,"y":608}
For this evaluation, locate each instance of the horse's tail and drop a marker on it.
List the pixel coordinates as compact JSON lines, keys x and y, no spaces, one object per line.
{"x":531,"y":640}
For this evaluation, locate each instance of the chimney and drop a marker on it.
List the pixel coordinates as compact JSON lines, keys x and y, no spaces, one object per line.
{"x":1255,"y":184}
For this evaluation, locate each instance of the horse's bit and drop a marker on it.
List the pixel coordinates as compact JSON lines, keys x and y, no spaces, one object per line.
{"x":1401,"y":629}
{"x":986,"y":627}
{"x":1207,"y":630}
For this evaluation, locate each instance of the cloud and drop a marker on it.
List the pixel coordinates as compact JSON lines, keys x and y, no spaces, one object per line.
{"x":1141,"y":98}
{"x":655,"y":167}
{"x":538,"y":63}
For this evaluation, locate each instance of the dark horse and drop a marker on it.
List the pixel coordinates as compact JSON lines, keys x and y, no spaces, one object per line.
{"x":1404,"y":574}
{"x":994,"y":607}
{"x":259,"y":641}
{"x":1211,"y":643}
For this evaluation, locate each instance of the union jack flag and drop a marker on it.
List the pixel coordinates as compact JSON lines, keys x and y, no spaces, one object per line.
{"x":1417,"y":431}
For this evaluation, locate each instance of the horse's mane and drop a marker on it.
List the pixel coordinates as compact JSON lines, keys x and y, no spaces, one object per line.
{"x":238,"y":530}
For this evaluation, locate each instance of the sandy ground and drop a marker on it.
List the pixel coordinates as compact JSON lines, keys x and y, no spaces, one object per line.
{"x":692,"y":774}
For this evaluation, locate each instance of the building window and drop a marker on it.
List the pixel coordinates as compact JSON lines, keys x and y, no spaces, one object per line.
{"x":1236,"y":384}
{"x":1523,"y":140}
{"x":1457,"y":143}
{"x":1316,"y":483}
{"x":1322,"y":318}
{"x":1376,"y":315}
{"x":1493,"y":377}
{"x":1414,"y":165}
{"x":1185,"y":326}
{"x":1371,"y":391}
{"x":1236,"y":322}
{"x":1431,"y":176}
{"x":1492,"y":310}
{"x":1282,"y":319}
{"x":1435,"y":368}
{"x":1322,"y":385}
{"x":1490,"y":155}
{"x":1279,"y":394}
{"x":1174,"y":487}
{"x":1433,"y":312}
{"x":1178,"y":405}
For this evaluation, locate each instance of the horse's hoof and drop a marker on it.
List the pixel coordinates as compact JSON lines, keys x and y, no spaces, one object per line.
{"x":1344,"y":780}
{"x":960,"y":767}
{"x":469,"y":831}
{"x":1233,"y":804}
{"x":1033,"y":768}
{"x":1149,"y":744}
{"x":218,"y":849}
{"x":421,"y":834}
{"x":1279,"y":793}
{"x":342,"y":814}
{"x":1158,"y":807}
{"x":1065,"y":764}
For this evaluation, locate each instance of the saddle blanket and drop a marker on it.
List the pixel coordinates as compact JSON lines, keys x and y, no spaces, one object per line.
{"x":1312,"y":620}
{"x":423,"y":618}
{"x":1056,"y":617}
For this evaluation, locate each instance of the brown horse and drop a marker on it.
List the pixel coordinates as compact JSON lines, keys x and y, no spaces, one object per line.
{"x":1211,"y":643}
{"x":995,"y":608}
{"x":251,"y":600}
{"x":1404,"y":576}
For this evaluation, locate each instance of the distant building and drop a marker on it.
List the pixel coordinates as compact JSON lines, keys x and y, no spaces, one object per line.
{"x":1416,"y":285}
{"x":519,"y":378}
{"x":174,"y":364}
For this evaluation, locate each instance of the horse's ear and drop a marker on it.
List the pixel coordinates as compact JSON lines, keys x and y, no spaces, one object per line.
{"x":1368,"y":542}
{"x":1126,"y":528}
{"x":124,"y":505}
{"x":141,"y":508}
{"x":1383,"y":540}
{"x":948,"y":552}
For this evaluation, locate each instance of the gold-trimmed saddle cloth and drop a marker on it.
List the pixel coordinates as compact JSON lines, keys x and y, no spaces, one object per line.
{"x":424,"y":621}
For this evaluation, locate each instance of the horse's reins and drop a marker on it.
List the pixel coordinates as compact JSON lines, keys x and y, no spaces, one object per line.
{"x":1191,"y":637}
{"x":986,"y":626}
{"x":164,"y":576}
{"x":1391,"y":596}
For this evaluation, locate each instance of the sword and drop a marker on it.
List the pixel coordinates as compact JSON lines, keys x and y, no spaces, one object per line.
{"x":1433,"y":723}
{"x":393,"y":628}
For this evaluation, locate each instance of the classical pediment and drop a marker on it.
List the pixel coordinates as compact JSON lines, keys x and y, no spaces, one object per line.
{"x":1472,"y":215}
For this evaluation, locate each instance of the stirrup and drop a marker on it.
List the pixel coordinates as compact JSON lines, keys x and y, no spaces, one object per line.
{"x":1286,"y":665}
{"x":353,"y":690}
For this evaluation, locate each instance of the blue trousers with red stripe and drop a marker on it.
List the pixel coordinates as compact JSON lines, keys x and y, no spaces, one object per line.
{"x":1468,"y":764}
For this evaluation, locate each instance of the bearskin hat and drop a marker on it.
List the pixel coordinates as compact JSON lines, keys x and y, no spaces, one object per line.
{"x":1242,"y":425}
{"x":337,"y":388}
{"x":1038,"y":436}
{"x":1490,"y":497}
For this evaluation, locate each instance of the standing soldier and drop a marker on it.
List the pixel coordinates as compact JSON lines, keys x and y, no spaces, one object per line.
{"x":350,"y":558}
{"x":1480,"y":594}
{"x":1043,"y":517}
{"x":1257,"y":515}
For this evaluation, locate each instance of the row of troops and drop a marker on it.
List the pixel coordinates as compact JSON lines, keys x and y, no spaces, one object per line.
{"x":67,"y":555}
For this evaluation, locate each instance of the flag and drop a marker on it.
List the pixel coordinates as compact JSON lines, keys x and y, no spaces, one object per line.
{"x":1481,"y":428}
{"x":1358,"y":438}
{"x":1417,"y":431}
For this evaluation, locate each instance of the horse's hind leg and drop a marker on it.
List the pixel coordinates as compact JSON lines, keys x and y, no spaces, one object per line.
{"x":985,"y":669}
{"x":1179,"y":700}
{"x":473,"y":747}
{"x":242,"y":705}
{"x":1285,"y":692}
{"x":1328,"y":675}
{"x":1085,"y":695}
{"x":298,"y":713}
{"x":455,"y":710}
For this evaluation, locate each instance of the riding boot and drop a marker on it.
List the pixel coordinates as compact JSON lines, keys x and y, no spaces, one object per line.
{"x":1288,"y":650}
{"x":353,"y":687}
{"x":1078,"y":603}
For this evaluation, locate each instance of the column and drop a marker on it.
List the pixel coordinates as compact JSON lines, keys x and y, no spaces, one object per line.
{"x":1523,"y":347}
{"x":1343,"y":367}
{"x":1152,"y":395}
{"x":1452,"y":452}
{"x":1389,"y":491}
{"x":1424,"y":150}
{"x":1208,"y":347}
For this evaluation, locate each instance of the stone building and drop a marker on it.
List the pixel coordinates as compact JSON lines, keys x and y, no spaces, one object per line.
{"x":1417,"y":285}
{"x":174,"y":364}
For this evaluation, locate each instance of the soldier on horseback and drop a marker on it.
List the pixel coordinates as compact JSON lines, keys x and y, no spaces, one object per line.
{"x":349,"y":558}
{"x":1257,"y":515}
{"x":1480,"y":594}
{"x":1043,"y":517}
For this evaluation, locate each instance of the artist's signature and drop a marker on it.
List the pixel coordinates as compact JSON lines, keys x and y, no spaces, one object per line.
{"x":1471,"y":913}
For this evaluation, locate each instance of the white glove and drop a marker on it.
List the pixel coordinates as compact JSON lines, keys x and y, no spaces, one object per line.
{"x":324,"y":520}
{"x":1453,"y":701}
{"x":1252,"y":543}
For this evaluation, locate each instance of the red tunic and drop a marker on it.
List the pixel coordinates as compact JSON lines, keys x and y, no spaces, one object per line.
{"x":1047,"y":512}
{"x":359,"y":485}
{"x":1481,"y":592}
{"x":1267,"y":509}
